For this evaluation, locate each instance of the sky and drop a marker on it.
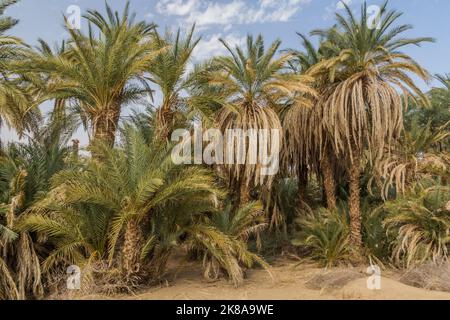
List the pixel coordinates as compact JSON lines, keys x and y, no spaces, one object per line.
{"x":232,"y":20}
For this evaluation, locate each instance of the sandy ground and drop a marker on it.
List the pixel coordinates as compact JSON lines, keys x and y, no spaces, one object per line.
{"x":291,"y":281}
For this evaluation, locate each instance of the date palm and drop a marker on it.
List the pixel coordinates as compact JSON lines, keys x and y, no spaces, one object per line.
{"x":308,"y":143}
{"x":25,"y":171}
{"x":439,"y":112}
{"x":104,"y":70}
{"x":363,"y":109}
{"x":253,"y":84}
{"x":169,"y":72}
{"x":135,"y":182}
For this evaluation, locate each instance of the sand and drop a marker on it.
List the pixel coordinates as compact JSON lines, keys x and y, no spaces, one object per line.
{"x":291,"y":281}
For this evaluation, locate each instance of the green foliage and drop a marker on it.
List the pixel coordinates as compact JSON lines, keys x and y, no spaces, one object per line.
{"x":128,"y":207}
{"x":325,"y":234}
{"x":25,"y":171}
{"x":223,"y":238}
{"x":420,"y":222}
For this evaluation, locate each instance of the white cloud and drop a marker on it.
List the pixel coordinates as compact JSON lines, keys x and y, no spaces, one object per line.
{"x":207,"y":13}
{"x":338,"y":6}
{"x":210,"y":47}
{"x":177,"y":7}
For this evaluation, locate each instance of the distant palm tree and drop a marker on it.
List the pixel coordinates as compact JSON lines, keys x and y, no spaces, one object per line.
{"x":363,"y":110}
{"x":439,"y":112}
{"x":104,"y":70}
{"x":169,"y":72}
{"x":253,"y":84}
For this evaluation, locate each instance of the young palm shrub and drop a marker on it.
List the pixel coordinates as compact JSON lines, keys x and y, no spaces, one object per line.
{"x":134,"y":182}
{"x":102,"y":71}
{"x":421,"y":223}
{"x":363,"y":108}
{"x":222,"y":239}
{"x":325,"y":234}
{"x":25,"y":171}
{"x":252,"y":84}
{"x":74,"y":234}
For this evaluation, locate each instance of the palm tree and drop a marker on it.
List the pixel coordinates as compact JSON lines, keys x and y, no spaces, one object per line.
{"x":135,"y":182}
{"x":439,"y":112}
{"x":168,"y":72}
{"x":415,"y":157}
{"x":420,"y":222}
{"x":308,"y":144}
{"x":46,"y":52}
{"x":14,"y":99}
{"x":363,"y":110}
{"x":252,"y":85}
{"x":231,"y":231}
{"x":104,"y":70}
{"x":25,"y":171}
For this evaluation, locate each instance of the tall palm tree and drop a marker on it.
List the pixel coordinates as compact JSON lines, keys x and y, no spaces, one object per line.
{"x":363,"y":109}
{"x":168,"y":72}
{"x":253,"y":84}
{"x":103,"y":70}
{"x":14,"y":99}
{"x":308,"y":143}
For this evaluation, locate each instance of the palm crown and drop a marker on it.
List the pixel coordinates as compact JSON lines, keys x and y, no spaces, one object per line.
{"x":104,"y":70}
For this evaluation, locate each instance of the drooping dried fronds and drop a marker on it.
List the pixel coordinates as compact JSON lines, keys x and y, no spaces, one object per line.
{"x":363,"y":110}
{"x":421,"y":223}
{"x":249,"y":118}
{"x":413,"y":157}
{"x":253,"y":84}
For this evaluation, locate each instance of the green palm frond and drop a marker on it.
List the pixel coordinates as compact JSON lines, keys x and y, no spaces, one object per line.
{"x":421,"y":223}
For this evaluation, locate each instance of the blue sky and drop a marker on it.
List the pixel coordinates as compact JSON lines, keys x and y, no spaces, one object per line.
{"x":233,"y":19}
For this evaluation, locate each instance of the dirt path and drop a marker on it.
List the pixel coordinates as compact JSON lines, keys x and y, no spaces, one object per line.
{"x":291,"y":282}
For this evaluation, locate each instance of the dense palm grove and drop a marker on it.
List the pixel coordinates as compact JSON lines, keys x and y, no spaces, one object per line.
{"x":364,"y":155}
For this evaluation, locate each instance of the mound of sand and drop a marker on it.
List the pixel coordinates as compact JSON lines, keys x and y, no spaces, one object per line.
{"x":431,"y":276}
{"x":334,"y":279}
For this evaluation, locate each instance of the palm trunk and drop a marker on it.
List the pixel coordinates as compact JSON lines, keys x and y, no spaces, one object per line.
{"x":354,"y":205}
{"x":164,"y":122}
{"x":132,"y":246}
{"x":106,"y":125}
{"x":329,"y":182}
{"x":244,"y":195}
{"x":302,"y":184}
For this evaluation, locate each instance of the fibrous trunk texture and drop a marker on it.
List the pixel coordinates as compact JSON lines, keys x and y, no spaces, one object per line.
{"x":244,"y":195}
{"x":354,"y":205}
{"x":164,"y":124}
{"x":132,"y":248}
{"x":329,"y":181}
{"x":106,"y":124}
